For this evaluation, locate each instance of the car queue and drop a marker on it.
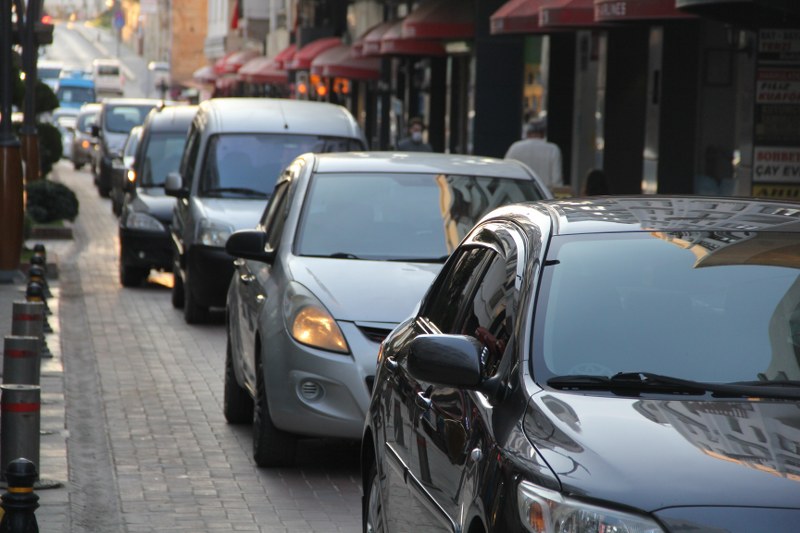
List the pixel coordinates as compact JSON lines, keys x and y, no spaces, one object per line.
{"x":509,"y":362}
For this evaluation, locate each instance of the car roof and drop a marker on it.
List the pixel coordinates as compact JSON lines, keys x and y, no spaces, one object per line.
{"x":277,"y":115}
{"x":171,"y":117}
{"x":92,"y":107}
{"x":649,"y":213}
{"x":131,"y":101}
{"x":71,"y":81}
{"x":420,"y":163}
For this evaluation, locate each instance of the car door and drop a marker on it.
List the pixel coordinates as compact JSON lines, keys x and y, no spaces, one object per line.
{"x":453,"y":426}
{"x":250,"y":275}
{"x":187,"y":170}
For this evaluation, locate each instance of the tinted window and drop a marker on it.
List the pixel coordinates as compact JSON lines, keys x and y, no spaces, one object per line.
{"x":121,"y":118}
{"x":108,"y":70}
{"x":700,"y":306}
{"x":399,"y":216}
{"x":162,"y":155}
{"x":189,"y":158}
{"x":71,"y":95}
{"x":249,"y":164}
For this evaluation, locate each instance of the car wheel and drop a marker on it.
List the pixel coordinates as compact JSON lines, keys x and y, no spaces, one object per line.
{"x":237,"y":404}
{"x":372,"y":518}
{"x":177,"y":289}
{"x":130,"y":276}
{"x":193,"y":312}
{"x":103,"y":191}
{"x":271,"y":446}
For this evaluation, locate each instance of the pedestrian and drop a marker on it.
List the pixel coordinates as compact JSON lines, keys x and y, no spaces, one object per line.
{"x":596,"y":183}
{"x":414,"y":142}
{"x":543,"y":157}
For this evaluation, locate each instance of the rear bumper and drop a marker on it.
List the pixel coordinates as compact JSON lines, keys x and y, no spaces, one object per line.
{"x":146,"y":249}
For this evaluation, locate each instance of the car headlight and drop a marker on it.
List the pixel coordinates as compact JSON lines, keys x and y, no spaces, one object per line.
{"x":143,"y":221}
{"x":309,"y":322}
{"x":546,"y":511}
{"x":213,"y":233}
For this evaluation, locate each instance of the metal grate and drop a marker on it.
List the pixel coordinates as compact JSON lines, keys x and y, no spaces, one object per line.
{"x":374,"y":334}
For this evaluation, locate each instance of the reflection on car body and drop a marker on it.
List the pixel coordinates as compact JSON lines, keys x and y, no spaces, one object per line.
{"x":649,"y":378}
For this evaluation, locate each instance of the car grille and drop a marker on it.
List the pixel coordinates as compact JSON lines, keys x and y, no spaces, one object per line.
{"x":374,"y":334}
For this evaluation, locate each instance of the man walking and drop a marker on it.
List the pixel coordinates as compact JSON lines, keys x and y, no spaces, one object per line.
{"x":543,"y":157}
{"x":414,"y":142}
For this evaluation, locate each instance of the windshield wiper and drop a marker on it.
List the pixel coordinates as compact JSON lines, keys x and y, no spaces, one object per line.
{"x":636,"y":382}
{"x":235,"y":190}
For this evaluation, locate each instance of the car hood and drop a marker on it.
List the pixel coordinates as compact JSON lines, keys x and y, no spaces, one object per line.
{"x":153,"y":201}
{"x":241,"y":213}
{"x":655,"y":454}
{"x":369,"y":291}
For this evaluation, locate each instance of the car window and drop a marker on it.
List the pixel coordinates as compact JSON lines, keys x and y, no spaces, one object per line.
{"x":402,"y":217}
{"x":674,"y":304}
{"x":189,"y":158}
{"x":75,"y":94}
{"x":275,"y":215}
{"x":162,"y":155}
{"x":84,"y":122}
{"x":121,"y":118}
{"x":249,"y":164}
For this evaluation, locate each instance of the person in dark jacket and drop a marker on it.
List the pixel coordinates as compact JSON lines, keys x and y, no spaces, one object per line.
{"x":414,"y":141}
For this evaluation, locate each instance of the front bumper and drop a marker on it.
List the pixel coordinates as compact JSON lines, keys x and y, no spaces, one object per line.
{"x":147,"y":249}
{"x":210,"y":269}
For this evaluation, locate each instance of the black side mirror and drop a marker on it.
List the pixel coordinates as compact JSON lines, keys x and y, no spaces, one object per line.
{"x":95,"y":130}
{"x":453,"y":360}
{"x":250,"y":244}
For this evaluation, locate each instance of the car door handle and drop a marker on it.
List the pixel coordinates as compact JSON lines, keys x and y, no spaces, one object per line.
{"x":391,"y":364}
{"x":422,"y":401}
{"x":247,"y":278}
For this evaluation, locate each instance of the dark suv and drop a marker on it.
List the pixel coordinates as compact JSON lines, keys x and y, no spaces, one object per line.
{"x":147,"y":212}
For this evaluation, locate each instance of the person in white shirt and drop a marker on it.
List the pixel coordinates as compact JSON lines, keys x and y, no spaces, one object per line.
{"x":543,"y":157}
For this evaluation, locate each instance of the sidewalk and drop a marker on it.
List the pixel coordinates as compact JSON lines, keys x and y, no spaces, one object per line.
{"x":53,"y":513}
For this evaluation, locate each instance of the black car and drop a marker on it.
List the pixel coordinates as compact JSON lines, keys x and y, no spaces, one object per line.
{"x":586,"y":365}
{"x":146,"y":214}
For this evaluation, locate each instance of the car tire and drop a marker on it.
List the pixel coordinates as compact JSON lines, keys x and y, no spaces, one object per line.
{"x":193,"y":312}
{"x":130,"y":276}
{"x":237,"y":404}
{"x":177,"y":289}
{"x":372,"y":518}
{"x":271,"y":446}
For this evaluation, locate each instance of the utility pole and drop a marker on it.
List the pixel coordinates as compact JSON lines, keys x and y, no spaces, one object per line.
{"x":30,"y":53}
{"x":11,"y":199}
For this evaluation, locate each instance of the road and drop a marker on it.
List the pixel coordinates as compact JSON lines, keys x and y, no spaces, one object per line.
{"x":148,"y":446}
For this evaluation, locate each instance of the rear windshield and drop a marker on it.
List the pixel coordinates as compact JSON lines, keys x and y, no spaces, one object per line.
{"x":162,"y":156}
{"x":121,"y":118}
{"x":48,"y":72}
{"x":400,"y":217}
{"x":108,"y":70}
{"x":72,"y":95}
{"x":248,"y":164}
{"x":84,"y":122}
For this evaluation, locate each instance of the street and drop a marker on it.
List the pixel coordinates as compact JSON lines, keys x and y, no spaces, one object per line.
{"x":148,"y":443}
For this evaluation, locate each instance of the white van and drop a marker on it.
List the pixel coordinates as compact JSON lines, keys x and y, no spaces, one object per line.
{"x":107,"y":75}
{"x":235,"y":151}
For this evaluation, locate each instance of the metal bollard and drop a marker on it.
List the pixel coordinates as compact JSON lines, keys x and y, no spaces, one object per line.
{"x":37,"y":273}
{"x":20,"y":419}
{"x":34,"y":292}
{"x":28,"y":321}
{"x":40,"y":250}
{"x":21,"y":360}
{"x":20,"y":502}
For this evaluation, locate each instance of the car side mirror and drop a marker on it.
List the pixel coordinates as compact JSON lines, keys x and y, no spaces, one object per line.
{"x":95,"y":130}
{"x":250,"y":244}
{"x":450,"y":360}
{"x":173,"y":185}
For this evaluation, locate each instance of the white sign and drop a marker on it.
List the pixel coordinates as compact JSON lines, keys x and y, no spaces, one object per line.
{"x":778,"y":86}
{"x":776,"y":164}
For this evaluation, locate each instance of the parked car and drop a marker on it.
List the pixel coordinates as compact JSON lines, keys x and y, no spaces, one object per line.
{"x":64,"y":119}
{"x":107,"y":76}
{"x":144,"y":237}
{"x":114,"y":122}
{"x":120,"y":166}
{"x":342,"y":254}
{"x":237,"y":148}
{"x":75,"y":91}
{"x":83,"y":142}
{"x":611,"y":364}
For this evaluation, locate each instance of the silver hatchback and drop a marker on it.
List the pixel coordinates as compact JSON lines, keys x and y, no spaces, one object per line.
{"x":345,"y":249}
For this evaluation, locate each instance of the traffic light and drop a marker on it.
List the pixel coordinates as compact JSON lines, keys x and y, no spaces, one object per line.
{"x":43,"y":29}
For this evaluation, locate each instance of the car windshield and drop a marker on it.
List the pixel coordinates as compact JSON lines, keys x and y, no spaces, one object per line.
{"x":714,"y":307}
{"x":129,"y":150}
{"x":121,"y":118}
{"x":163,"y":155}
{"x":401,"y":217}
{"x":75,"y":95}
{"x":248,"y":164}
{"x":84,"y":122}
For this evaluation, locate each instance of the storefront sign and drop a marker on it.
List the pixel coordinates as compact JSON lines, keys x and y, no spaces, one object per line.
{"x":777,"y":164}
{"x":778,"y":86}
{"x":780,"y":45}
{"x":781,"y":191}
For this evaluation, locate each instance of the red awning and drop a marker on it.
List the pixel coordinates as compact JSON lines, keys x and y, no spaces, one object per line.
{"x":233,"y":61}
{"x":622,"y":10}
{"x":302,"y":58}
{"x":441,"y":19}
{"x":394,"y":44}
{"x":516,"y":16}
{"x":283,"y":57}
{"x":225,"y":83}
{"x":262,"y":70}
{"x":205,"y":74}
{"x":371,"y":43}
{"x":339,"y":62}
{"x":567,"y":13}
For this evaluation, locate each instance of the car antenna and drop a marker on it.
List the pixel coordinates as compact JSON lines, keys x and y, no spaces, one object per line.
{"x":285,"y":123}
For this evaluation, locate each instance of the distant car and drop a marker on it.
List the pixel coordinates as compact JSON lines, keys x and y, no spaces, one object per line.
{"x":342,"y":254}
{"x":83,"y":142}
{"x":75,"y":91}
{"x":115,"y":120}
{"x":64,"y":119}
{"x":108,"y":77}
{"x":585,"y":365}
{"x":120,"y":168}
{"x":48,"y":72}
{"x":237,"y":148}
{"x":144,"y":237}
